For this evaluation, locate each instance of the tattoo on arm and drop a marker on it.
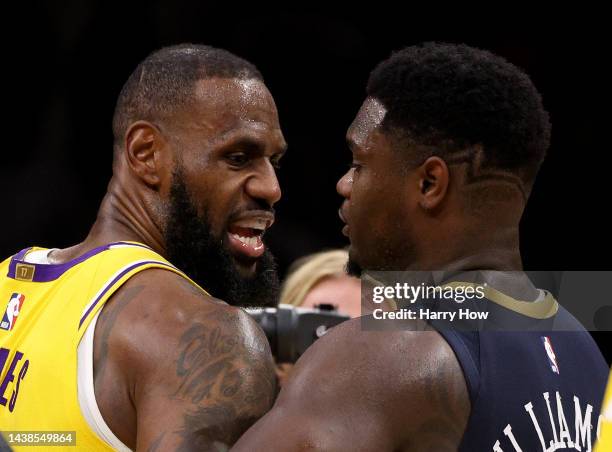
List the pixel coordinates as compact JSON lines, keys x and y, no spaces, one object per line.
{"x":222,"y":380}
{"x":229,"y":385}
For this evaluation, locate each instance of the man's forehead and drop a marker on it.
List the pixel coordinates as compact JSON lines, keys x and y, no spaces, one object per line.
{"x":235,"y":93}
{"x":222,"y":103}
{"x":369,"y":118}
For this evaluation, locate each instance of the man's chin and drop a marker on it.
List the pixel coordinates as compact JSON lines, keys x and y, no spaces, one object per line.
{"x":254,"y":282}
{"x":247,"y":269}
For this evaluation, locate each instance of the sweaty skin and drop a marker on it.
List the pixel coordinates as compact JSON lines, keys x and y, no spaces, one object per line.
{"x":394,"y":390}
{"x":364,"y":391}
{"x":174,"y":368}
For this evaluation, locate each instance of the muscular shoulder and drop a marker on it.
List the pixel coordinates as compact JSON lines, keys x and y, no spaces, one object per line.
{"x":173,"y":346}
{"x":407,"y":382}
{"x":161,"y":305}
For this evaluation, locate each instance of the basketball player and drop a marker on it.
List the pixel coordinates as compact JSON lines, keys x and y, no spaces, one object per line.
{"x":123,"y":338}
{"x":445,"y":150}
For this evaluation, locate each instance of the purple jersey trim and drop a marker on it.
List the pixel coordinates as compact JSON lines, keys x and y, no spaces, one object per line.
{"x":50,"y":272}
{"x":114,"y":281}
{"x":19,"y":256}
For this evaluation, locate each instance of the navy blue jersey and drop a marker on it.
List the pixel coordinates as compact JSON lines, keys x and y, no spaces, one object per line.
{"x":538,"y":388}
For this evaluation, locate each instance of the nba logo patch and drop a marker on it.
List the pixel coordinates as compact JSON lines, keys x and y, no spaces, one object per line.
{"x":550,"y":353}
{"x":12,"y":311}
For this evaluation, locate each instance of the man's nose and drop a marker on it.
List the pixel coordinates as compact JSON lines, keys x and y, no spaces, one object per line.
{"x":345,"y":184}
{"x":264,"y":184}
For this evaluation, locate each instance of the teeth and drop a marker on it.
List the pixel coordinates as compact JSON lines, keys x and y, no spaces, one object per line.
{"x":250,"y":241}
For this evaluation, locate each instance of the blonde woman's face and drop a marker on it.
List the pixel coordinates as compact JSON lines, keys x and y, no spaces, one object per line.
{"x":342,"y":291}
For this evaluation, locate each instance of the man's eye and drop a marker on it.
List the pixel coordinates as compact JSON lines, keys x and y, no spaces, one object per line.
{"x":237,"y":159}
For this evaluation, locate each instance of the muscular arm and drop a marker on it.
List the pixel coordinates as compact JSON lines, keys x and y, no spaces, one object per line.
{"x":361,"y":391}
{"x":175,"y":370}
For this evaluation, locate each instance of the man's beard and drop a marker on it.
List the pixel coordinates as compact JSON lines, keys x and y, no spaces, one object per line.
{"x":353,"y":268}
{"x":385,"y":259}
{"x":191,"y":247}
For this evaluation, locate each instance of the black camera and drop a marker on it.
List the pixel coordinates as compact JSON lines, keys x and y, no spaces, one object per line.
{"x":292,"y":330}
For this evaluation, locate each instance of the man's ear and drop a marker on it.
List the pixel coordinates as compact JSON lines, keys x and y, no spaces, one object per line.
{"x":434,"y":179}
{"x":145,"y":146}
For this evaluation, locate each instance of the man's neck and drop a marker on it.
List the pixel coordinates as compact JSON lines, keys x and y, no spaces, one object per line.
{"x":121,"y":217}
{"x":473,"y":251}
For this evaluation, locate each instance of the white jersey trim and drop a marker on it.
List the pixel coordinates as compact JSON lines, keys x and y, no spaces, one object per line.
{"x":38,"y":256}
{"x":86,"y":393}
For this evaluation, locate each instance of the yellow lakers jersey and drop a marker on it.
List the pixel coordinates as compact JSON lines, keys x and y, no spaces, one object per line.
{"x":44,"y":311}
{"x":605,"y":438}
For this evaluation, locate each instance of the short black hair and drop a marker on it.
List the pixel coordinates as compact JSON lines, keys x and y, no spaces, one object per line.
{"x":450,"y":97}
{"x":165,"y":80}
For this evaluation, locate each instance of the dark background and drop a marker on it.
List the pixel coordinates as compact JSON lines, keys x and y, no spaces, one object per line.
{"x":65,"y":62}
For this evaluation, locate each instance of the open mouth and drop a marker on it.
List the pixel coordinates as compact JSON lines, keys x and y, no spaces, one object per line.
{"x":245,"y":236}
